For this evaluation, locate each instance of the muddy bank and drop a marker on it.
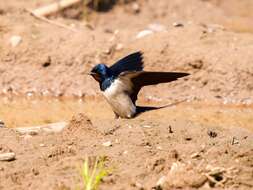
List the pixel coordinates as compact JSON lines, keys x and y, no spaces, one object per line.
{"x":141,"y":153}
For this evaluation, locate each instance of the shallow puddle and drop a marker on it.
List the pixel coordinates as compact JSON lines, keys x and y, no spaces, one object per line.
{"x":20,"y":112}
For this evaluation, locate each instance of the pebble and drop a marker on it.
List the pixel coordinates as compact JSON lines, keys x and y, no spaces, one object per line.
{"x":178,"y":24}
{"x":7,"y":156}
{"x":147,"y":126}
{"x":119,"y":47}
{"x":27,"y":136}
{"x":157,"y":27}
{"x":144,"y":33}
{"x":107,"y":144}
{"x":195,"y":155}
{"x":161,"y":181}
{"x":2,"y":124}
{"x":15,"y":40}
{"x":136,"y":7}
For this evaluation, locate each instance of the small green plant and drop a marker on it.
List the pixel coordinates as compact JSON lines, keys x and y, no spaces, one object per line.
{"x":92,"y":176}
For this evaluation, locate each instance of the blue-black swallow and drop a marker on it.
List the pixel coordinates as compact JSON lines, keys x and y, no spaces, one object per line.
{"x":121,"y":82}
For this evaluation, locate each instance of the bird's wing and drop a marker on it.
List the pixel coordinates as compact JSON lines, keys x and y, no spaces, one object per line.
{"x":136,"y":80}
{"x":132,"y":62}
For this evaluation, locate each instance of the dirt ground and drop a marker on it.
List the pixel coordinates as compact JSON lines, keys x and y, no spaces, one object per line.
{"x":205,"y":142}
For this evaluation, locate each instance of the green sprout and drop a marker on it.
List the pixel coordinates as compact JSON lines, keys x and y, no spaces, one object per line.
{"x":92,"y":176}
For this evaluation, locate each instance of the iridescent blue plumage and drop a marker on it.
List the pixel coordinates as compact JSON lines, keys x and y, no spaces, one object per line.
{"x":106,"y":75}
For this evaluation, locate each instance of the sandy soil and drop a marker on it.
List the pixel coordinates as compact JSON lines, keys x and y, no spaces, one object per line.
{"x":191,"y":145}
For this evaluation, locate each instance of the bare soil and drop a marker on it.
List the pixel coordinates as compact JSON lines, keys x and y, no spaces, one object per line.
{"x":205,"y":142}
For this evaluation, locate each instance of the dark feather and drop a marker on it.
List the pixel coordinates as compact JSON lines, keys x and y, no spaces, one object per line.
{"x":136,"y":80}
{"x":132,"y":62}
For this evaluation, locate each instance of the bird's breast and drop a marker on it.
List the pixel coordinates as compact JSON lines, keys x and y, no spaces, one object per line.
{"x":119,"y":100}
{"x":115,"y":88}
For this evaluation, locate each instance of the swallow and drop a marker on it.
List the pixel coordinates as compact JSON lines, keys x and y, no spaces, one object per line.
{"x":121,"y":82}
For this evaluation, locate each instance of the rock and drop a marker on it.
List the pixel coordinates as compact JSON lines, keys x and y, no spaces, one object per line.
{"x":147,"y":126}
{"x":42,"y":145}
{"x":107,"y":144}
{"x":27,"y":136}
{"x":2,"y":124}
{"x":49,"y":128}
{"x":157,"y":27}
{"x":212,"y":134}
{"x":10,"y":156}
{"x":195,"y":155}
{"x":136,"y":7}
{"x":161,"y":181}
{"x":178,"y":24}
{"x":144,"y":33}
{"x":182,"y":176}
{"x":119,"y":47}
{"x":15,"y":40}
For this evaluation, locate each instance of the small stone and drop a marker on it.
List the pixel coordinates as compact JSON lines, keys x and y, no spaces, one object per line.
{"x":42,"y":145}
{"x":178,"y":24}
{"x":235,"y":141}
{"x":119,"y":47}
{"x":159,"y":148}
{"x":47,"y":62}
{"x":195,"y":155}
{"x":147,"y":126}
{"x":157,"y":27}
{"x":33,"y":133}
{"x":27,"y":136}
{"x":144,"y":33}
{"x":161,"y":181}
{"x":15,"y":40}
{"x":136,"y":7}
{"x":2,"y":124}
{"x":188,"y":138}
{"x":211,"y":133}
{"x":35,"y":171}
{"x":10,"y":156}
{"x":170,"y":129}
{"x":107,"y":144}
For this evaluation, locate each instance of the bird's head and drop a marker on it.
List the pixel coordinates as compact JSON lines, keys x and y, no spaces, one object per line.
{"x":100,"y":72}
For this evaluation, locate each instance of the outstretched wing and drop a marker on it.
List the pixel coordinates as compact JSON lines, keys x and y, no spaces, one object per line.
{"x":132,"y":62}
{"x":136,"y":80}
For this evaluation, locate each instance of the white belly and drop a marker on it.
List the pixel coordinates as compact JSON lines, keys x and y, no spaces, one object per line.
{"x":119,"y":100}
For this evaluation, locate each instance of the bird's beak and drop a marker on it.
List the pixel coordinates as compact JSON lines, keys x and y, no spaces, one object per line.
{"x":96,"y":76}
{"x":89,"y":73}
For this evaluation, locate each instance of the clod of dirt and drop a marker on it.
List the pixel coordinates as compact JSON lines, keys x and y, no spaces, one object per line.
{"x":9,"y":156}
{"x":235,"y":141}
{"x":144,"y":33}
{"x":181,"y":176}
{"x":136,"y":8}
{"x":15,"y":40}
{"x":174,"y":154}
{"x":107,"y":144}
{"x":188,"y":138}
{"x":178,"y":24}
{"x":47,"y":62}
{"x":79,"y":124}
{"x":212,"y":134}
{"x":170,"y":129}
{"x":1,"y":124}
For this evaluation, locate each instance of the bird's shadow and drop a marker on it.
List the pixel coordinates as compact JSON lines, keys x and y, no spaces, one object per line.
{"x":142,"y":109}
